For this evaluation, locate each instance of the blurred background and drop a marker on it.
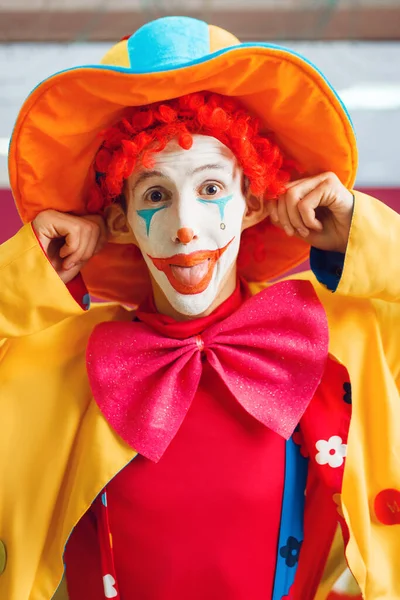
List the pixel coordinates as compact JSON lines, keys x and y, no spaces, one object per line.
{"x":356,"y":43}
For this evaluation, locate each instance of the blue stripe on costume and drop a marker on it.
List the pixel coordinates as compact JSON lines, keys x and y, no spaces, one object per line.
{"x":327,"y":267}
{"x":291,"y":530}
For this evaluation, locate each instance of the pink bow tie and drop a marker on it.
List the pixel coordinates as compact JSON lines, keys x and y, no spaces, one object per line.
{"x":270,"y":354}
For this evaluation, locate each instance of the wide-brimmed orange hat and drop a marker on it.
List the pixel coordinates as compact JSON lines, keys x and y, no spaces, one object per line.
{"x":57,"y":133}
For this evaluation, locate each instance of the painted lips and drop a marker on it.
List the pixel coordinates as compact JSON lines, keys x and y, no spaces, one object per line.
{"x":190,"y":273}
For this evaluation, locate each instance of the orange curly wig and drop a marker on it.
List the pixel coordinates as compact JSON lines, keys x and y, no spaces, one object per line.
{"x":145,"y":130}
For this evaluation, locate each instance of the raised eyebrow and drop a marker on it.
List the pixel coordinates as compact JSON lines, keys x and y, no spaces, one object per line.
{"x":209,"y":168}
{"x":147,"y":175}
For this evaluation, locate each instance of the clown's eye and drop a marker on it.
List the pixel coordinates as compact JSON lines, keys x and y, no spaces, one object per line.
{"x":155,"y":196}
{"x":210,"y":189}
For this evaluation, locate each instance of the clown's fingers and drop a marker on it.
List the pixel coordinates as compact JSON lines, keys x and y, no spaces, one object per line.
{"x":101,"y":231}
{"x":79,"y":248}
{"x":295,"y":217}
{"x":307,"y":207}
{"x":72,"y":243}
{"x":272,"y":212}
{"x":284,"y":219}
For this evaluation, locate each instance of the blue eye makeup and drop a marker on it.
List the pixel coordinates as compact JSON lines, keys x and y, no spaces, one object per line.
{"x":220,"y":202}
{"x":147,"y":214}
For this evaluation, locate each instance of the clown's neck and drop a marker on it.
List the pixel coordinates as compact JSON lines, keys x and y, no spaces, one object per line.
{"x":170,"y":327}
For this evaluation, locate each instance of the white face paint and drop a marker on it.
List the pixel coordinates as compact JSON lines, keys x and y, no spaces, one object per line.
{"x":186,"y":214}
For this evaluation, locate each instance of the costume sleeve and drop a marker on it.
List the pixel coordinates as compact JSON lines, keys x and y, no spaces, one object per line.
{"x":32,"y":296}
{"x":372,"y":270}
{"x":372,"y":264}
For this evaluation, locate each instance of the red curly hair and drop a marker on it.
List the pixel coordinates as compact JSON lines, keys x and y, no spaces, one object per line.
{"x":146,"y":130}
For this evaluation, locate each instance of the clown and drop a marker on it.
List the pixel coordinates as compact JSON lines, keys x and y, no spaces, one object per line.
{"x":204,"y":433}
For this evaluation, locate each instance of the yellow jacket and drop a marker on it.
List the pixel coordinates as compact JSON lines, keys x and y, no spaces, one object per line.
{"x":57,"y":452}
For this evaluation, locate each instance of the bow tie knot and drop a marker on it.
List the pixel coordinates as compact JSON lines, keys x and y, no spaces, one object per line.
{"x":199,"y":343}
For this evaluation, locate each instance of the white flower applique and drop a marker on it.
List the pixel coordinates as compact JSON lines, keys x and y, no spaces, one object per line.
{"x":109,"y":589}
{"x":331,"y":452}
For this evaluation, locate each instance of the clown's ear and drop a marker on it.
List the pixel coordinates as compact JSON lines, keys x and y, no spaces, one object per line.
{"x":256,"y":211}
{"x":118,"y":228}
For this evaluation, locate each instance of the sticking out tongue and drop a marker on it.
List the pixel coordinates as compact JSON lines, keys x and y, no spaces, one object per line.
{"x":191,"y":275}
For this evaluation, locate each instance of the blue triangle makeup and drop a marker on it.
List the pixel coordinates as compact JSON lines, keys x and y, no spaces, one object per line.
{"x":220,"y":202}
{"x":147,"y":214}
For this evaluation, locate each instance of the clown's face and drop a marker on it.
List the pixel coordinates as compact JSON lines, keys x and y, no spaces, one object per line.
{"x":186,"y":214}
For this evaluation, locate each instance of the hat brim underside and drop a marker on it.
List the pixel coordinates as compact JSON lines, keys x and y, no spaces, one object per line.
{"x":57,"y":134}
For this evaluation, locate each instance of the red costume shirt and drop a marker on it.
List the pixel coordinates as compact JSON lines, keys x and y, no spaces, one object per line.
{"x":203,"y":522}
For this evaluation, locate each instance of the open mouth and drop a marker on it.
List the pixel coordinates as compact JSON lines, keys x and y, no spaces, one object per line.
{"x":190,"y":273}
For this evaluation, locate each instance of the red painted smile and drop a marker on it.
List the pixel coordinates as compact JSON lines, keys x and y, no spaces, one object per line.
{"x":190,"y":273}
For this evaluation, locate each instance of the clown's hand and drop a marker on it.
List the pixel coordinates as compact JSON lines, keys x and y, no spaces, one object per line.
{"x":69,"y":241}
{"x":318,"y":209}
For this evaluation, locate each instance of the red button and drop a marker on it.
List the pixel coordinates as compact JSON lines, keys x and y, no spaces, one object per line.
{"x":387,"y":507}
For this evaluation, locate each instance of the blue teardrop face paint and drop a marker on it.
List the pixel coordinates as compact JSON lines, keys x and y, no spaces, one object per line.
{"x":220,"y":202}
{"x":147,"y":214}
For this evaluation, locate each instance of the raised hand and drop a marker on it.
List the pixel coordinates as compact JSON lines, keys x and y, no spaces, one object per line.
{"x":318,"y":209}
{"x":69,"y":241}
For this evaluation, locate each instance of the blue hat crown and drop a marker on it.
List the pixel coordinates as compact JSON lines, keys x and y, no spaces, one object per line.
{"x":168,"y":43}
